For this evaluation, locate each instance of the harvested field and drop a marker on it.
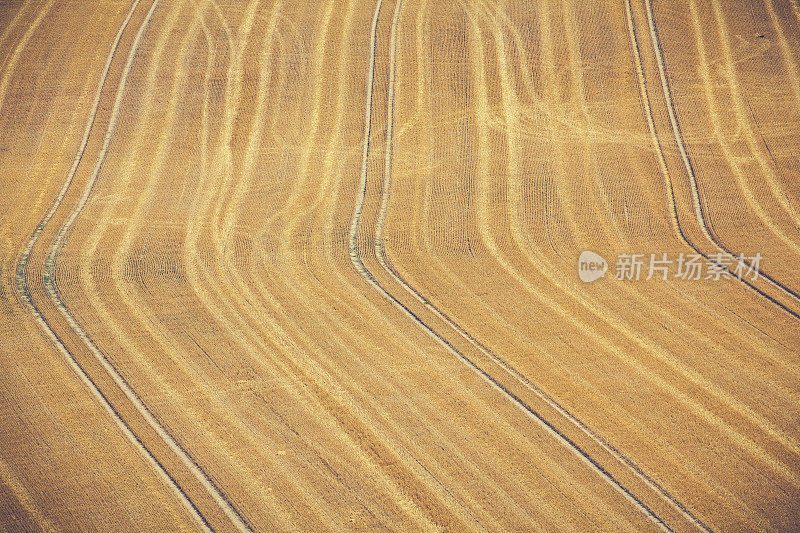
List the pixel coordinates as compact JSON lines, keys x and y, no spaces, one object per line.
{"x":276,"y":265}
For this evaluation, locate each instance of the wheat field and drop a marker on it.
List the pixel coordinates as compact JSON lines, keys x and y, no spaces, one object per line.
{"x":313,"y":265}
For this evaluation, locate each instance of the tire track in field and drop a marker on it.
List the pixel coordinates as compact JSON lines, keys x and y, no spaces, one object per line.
{"x":359,"y":265}
{"x":198,"y":275}
{"x":229,"y":297}
{"x":396,"y":445}
{"x":353,"y":247}
{"x":141,"y":319}
{"x":775,"y":433}
{"x":361,"y":431}
{"x":700,"y":213}
{"x":240,"y":314}
{"x":689,"y":374}
{"x":387,"y":182}
{"x":24,"y":498}
{"x":744,"y":128}
{"x":702,"y":412}
{"x":52,"y":292}
{"x":590,"y":145}
{"x":49,"y":276}
{"x":243,"y":434}
{"x":494,"y":357}
{"x":548,"y":516}
{"x":236,"y":313}
{"x":511,"y":105}
{"x":555,"y":197}
{"x":263,"y":333}
{"x":25,"y":295}
{"x":162,"y":336}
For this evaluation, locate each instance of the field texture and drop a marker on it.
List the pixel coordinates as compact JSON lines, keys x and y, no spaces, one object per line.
{"x":294,"y":265}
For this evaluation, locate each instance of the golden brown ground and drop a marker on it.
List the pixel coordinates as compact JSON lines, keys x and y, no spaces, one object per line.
{"x":311,"y":265}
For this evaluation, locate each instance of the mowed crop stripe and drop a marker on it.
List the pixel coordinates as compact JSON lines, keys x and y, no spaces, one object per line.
{"x":52,"y":292}
{"x":368,"y":276}
{"x":511,"y":104}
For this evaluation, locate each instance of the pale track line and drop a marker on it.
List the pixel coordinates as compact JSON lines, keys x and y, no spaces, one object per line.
{"x":554,"y":193}
{"x":791,"y":66}
{"x":699,"y":212}
{"x":386,"y":264}
{"x":254,"y":137}
{"x":17,"y":16}
{"x":52,"y":291}
{"x":7,"y":31}
{"x":609,"y":221}
{"x":26,"y":297}
{"x":744,"y":129}
{"x":250,"y":321}
{"x":315,"y":113}
{"x":687,"y":372}
{"x":253,"y":342}
{"x":745,"y":444}
{"x":235,"y":314}
{"x":408,"y":461}
{"x":324,"y":371}
{"x":9,"y":67}
{"x":657,"y":145}
{"x":138,"y":311}
{"x":502,"y":364}
{"x":225,"y":153}
{"x":24,"y":498}
{"x":775,"y":433}
{"x":235,"y":308}
{"x":195,"y":277}
{"x":49,"y":277}
{"x":367,"y":275}
{"x":168,"y":344}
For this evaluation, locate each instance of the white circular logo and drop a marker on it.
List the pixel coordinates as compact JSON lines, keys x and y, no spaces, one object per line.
{"x":591,"y":266}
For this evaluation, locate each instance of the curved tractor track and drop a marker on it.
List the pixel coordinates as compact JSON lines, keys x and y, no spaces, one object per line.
{"x":310,"y":266}
{"x":701,"y":215}
{"x":52,"y":291}
{"x":385,"y":263}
